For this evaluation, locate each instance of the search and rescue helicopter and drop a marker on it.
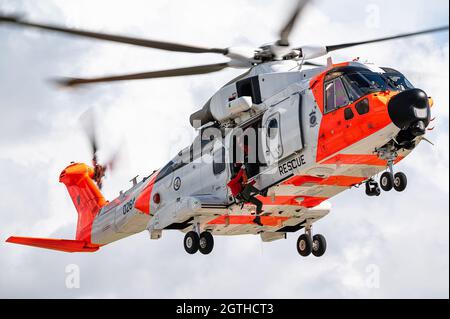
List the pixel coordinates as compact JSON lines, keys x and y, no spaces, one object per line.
{"x":312,"y":131}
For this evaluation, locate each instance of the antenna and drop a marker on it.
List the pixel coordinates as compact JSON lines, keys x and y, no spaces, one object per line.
{"x":134,"y":180}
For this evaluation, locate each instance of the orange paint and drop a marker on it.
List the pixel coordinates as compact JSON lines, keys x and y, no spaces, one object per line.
{"x":298,"y":200}
{"x":143,"y":200}
{"x":346,"y":181}
{"x":86,"y":197}
{"x":336,"y":133}
{"x":358,"y":159}
{"x":271,"y":221}
{"x":337,"y":180}
{"x":66,"y":245}
{"x":302,"y":180}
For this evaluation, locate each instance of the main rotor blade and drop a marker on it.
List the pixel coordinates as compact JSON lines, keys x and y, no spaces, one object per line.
{"x":201,"y":69}
{"x":314,"y":64}
{"x":286,"y":30}
{"x":400,"y":36}
{"x":162,"y":45}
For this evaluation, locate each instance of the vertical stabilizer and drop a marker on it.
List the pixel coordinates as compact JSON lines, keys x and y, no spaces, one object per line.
{"x":86,"y":197}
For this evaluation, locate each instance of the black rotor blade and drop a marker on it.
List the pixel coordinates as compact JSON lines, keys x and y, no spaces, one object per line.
{"x":87,"y":121}
{"x":314,"y":64}
{"x":162,"y":45}
{"x":287,"y":29}
{"x":400,"y":36}
{"x":201,"y":69}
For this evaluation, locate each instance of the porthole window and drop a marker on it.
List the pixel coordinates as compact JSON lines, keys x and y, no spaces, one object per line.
{"x":272,"y":128}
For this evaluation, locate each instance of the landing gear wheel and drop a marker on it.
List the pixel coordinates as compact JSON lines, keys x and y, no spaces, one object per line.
{"x":400,"y":182}
{"x":191,"y":242}
{"x":304,"y":245}
{"x":386,"y":181}
{"x":206,"y":243}
{"x":319,"y":245}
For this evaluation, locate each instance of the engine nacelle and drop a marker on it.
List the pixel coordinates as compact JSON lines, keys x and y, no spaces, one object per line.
{"x":232,"y":110}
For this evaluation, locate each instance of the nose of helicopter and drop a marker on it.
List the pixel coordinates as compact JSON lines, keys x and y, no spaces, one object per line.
{"x":410,"y":110}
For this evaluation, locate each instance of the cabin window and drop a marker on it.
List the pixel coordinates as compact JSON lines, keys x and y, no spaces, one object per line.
{"x":272,"y":128}
{"x":219,"y":161}
{"x":335,"y":95}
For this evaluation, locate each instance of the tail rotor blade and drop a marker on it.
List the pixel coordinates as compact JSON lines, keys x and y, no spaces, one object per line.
{"x":87,"y":121}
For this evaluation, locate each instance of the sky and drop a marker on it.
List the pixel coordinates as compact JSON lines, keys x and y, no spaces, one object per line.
{"x":392,"y":246}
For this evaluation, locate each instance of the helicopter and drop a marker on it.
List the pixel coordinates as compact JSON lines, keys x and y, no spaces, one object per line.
{"x":304,"y":132}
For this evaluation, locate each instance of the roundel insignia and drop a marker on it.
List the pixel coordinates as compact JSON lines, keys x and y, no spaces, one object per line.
{"x":177,"y":183}
{"x":312,"y":119}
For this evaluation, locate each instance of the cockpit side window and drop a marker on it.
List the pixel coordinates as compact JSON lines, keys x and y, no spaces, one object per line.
{"x":335,"y":95}
{"x":329,"y":97}
{"x":353,"y":92}
{"x":341,"y":95}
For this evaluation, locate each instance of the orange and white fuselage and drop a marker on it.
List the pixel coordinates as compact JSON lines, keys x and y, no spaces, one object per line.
{"x":315,"y":138}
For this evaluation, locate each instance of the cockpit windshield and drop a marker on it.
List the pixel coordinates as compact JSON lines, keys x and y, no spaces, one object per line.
{"x":398,"y":81}
{"x":353,"y":83}
{"x":366,"y":82}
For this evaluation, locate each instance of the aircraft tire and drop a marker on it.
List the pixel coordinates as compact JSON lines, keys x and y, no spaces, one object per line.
{"x":400,"y":182}
{"x":304,"y":245}
{"x":386,"y":181}
{"x":191,"y":242}
{"x":319,"y":245}
{"x":206,"y":243}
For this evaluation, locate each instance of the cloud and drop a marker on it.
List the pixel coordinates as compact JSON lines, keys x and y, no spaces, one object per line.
{"x":405,"y":236}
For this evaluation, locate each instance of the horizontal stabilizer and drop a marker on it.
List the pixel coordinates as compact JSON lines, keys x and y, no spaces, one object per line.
{"x":66,"y":245}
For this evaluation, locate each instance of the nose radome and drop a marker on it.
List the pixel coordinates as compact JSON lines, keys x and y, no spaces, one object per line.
{"x":410,"y":108}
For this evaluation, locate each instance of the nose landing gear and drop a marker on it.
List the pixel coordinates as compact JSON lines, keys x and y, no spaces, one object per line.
{"x":388,"y":179}
{"x":400,"y":182}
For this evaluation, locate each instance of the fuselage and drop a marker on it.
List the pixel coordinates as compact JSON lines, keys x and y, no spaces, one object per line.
{"x":312,"y":142}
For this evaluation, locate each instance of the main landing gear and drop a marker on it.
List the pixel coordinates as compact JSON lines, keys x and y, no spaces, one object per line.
{"x":307,"y":244}
{"x":194,"y":242}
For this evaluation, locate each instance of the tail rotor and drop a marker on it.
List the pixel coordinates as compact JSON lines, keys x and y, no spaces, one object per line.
{"x":88,"y":122}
